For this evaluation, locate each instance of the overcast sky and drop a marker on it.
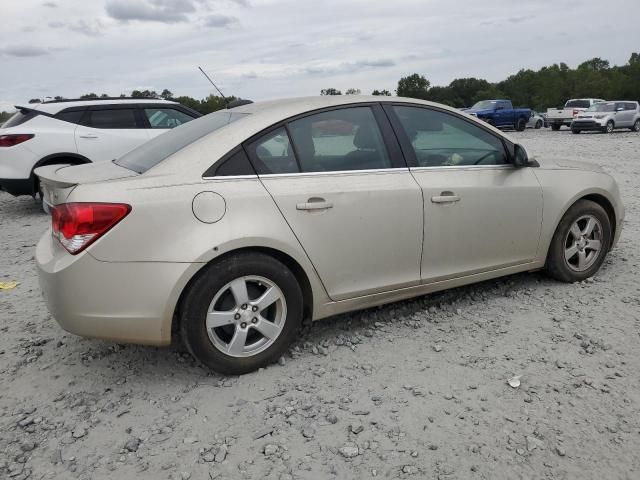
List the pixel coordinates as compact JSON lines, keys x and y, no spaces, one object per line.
{"x":263,"y":49}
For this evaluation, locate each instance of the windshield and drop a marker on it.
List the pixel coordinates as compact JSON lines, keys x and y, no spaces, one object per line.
{"x":577,"y":104}
{"x":602,"y":107}
{"x":484,"y":105}
{"x":161,"y":147}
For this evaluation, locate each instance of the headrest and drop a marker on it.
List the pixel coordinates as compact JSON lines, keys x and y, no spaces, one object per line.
{"x":365,"y":138}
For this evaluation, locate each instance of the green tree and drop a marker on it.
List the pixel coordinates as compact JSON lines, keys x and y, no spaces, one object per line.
{"x":166,"y":94}
{"x":413,"y":86}
{"x":88,"y":96}
{"x":384,"y":93}
{"x":352,"y":91}
{"x":330,"y":91}
{"x":144,"y":94}
{"x":4,"y":116}
{"x":35,"y":100}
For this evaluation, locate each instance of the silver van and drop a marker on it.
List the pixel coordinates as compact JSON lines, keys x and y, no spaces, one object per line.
{"x":608,"y":116}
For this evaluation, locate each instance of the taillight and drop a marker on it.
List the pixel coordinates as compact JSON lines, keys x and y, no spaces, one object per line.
{"x":78,"y":225}
{"x":14,"y":139}
{"x":576,"y":112}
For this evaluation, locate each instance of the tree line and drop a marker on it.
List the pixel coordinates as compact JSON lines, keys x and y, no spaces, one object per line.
{"x":549,"y":86}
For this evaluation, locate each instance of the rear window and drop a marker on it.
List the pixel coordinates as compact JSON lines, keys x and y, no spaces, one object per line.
{"x":20,"y":117}
{"x":577,"y":104}
{"x":161,"y":147}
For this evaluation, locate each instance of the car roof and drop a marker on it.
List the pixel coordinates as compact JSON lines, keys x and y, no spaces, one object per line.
{"x":261,"y":115}
{"x":281,"y":109}
{"x":57,"y":106}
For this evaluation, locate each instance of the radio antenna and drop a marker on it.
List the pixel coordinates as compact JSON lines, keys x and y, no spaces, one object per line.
{"x":226,"y":102}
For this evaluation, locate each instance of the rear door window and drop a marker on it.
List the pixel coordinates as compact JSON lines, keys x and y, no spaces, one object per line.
{"x":630,"y":106}
{"x":122,"y":118}
{"x":166,"y":117}
{"x":340,"y":140}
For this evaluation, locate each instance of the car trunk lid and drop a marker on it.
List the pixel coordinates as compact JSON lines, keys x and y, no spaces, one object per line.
{"x":58,"y":181}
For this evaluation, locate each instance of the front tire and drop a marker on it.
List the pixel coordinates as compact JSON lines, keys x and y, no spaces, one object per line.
{"x":538,"y":125}
{"x":575,"y":130}
{"x":609,"y":127}
{"x":241,"y":313}
{"x":555,"y":127}
{"x":580,"y":243}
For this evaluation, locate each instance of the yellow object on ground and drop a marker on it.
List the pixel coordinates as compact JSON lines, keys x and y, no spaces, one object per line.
{"x":8,"y":285}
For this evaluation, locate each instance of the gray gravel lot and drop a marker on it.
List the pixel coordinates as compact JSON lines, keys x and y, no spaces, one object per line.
{"x":416,"y":389}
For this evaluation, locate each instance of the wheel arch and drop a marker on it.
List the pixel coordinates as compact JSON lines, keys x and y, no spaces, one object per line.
{"x":596,"y":197}
{"x":291,"y":263}
{"x":605,"y":203}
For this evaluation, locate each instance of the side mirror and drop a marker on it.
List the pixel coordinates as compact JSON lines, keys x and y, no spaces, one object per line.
{"x":520,"y":157}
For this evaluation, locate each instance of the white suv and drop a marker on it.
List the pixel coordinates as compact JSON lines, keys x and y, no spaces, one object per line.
{"x":79,"y":131}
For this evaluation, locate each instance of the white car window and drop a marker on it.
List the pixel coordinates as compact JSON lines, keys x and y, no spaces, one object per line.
{"x":121,"y":118}
{"x":166,"y":117}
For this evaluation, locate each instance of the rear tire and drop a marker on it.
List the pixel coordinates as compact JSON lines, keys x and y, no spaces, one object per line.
{"x":521,"y":125}
{"x":636,"y":126}
{"x":555,"y":127}
{"x":223,"y":330}
{"x":575,"y":130}
{"x":580,"y":243}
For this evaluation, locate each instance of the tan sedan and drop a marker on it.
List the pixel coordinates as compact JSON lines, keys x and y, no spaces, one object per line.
{"x":234,"y":227}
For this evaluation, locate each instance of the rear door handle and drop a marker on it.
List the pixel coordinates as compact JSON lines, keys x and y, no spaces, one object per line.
{"x":445,"y":197}
{"x":314,"y":203}
{"x":88,"y":135}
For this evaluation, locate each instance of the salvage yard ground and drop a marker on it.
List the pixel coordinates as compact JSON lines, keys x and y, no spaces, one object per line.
{"x":417,"y":389}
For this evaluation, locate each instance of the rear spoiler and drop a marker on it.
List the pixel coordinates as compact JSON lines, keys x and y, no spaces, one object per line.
{"x":24,"y":109}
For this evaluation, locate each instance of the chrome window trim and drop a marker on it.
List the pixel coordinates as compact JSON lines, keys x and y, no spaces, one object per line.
{"x":374,"y":171}
{"x":465,"y":167}
{"x":363,"y":172}
{"x":232,"y":177}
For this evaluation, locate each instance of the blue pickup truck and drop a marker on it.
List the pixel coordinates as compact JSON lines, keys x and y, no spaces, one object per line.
{"x":501,"y":114}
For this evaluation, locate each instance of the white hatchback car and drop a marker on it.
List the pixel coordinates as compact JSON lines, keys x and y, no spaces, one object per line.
{"x":79,"y":131}
{"x":233,"y":228}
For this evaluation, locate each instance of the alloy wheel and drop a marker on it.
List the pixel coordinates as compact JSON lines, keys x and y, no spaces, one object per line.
{"x":583,"y":243}
{"x":246,"y":316}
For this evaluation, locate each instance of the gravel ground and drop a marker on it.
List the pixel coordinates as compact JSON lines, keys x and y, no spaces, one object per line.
{"x":414,"y":389}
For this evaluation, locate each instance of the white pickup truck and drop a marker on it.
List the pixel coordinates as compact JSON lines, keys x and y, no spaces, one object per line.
{"x":556,"y":117}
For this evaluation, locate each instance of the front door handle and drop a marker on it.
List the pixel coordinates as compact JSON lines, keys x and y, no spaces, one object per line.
{"x":89,"y":135}
{"x":314,"y":203}
{"x":445,"y":197}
